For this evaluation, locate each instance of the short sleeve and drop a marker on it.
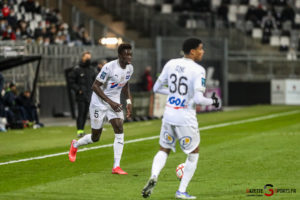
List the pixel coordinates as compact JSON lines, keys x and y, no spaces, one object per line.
{"x":200,"y":82}
{"x":103,"y":74}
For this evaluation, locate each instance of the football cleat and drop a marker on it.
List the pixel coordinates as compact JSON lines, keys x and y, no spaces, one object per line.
{"x":118,"y":170}
{"x":72,"y":152}
{"x":146,"y":192}
{"x":184,"y":195}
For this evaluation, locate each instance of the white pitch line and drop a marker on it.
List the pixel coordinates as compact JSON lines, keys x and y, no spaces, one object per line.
{"x":155,"y":137}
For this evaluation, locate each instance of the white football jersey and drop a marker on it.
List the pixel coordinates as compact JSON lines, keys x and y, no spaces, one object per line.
{"x":183,"y":77}
{"x":114,"y":78}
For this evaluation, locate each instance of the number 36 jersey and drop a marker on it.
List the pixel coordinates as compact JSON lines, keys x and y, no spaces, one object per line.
{"x":184,"y":77}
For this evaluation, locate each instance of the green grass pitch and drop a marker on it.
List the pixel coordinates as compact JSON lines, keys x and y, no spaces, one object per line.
{"x":233,"y":158}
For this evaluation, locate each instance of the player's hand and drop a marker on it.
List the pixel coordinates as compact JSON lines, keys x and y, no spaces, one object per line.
{"x":129,"y":110}
{"x":116,"y":107}
{"x":216,"y":102}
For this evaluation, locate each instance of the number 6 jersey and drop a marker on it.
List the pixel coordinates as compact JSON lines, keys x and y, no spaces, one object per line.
{"x":184,"y":78}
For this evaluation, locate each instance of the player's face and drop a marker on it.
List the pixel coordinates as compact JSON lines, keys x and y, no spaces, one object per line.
{"x":199,"y":52}
{"x":126,"y":56}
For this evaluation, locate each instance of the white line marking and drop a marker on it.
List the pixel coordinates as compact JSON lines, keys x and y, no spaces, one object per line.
{"x":155,"y":137}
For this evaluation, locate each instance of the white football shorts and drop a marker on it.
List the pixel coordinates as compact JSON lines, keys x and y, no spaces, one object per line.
{"x":188,"y":137}
{"x":97,"y":116}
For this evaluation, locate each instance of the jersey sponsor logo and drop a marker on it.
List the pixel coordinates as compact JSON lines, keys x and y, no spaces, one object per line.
{"x":113,"y":85}
{"x":128,"y":76}
{"x":185,"y":142}
{"x":169,"y":139}
{"x":203,"y":82}
{"x":103,"y":74}
{"x":176,"y":103}
{"x":120,"y":85}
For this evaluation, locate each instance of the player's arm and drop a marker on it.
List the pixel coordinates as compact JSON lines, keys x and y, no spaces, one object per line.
{"x":126,"y":92}
{"x":159,"y":87}
{"x":199,"y":89}
{"x":96,"y":88}
{"x":161,"y":82}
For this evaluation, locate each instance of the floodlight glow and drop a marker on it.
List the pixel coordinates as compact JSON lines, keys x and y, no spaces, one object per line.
{"x":111,"y":41}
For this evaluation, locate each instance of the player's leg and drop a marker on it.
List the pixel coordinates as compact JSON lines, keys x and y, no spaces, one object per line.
{"x":189,"y":142}
{"x":167,"y":142}
{"x":84,"y":117}
{"x":158,"y":164}
{"x":80,"y":118}
{"x":117,"y":124}
{"x":97,"y":117}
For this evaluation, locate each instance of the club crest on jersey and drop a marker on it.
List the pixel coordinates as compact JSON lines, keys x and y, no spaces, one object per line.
{"x":203,"y":82}
{"x":185,"y":142}
{"x":169,"y":139}
{"x":113,"y":85}
{"x":103,"y":74}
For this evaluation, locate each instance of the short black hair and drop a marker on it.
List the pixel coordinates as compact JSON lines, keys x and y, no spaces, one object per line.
{"x":189,"y":44}
{"x":85,"y":52}
{"x":12,"y":84}
{"x":122,"y":47}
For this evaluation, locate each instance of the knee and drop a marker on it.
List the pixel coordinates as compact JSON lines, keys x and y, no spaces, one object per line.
{"x":96,"y":133}
{"x":95,"y":138}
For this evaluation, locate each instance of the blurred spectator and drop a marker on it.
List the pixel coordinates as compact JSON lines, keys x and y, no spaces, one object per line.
{"x":5,"y":11}
{"x":8,"y":34}
{"x":268,"y":24}
{"x":13,"y":113}
{"x":2,"y":111}
{"x":28,"y":108}
{"x":100,"y":65}
{"x":292,"y":54}
{"x":50,"y":27}
{"x":146,"y":80}
{"x":288,"y":14}
{"x":81,"y":79}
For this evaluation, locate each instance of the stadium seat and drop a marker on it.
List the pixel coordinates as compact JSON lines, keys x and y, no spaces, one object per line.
{"x":166,"y":8}
{"x":254,"y":3}
{"x":257,"y":33}
{"x":216,"y":3}
{"x":233,"y":8}
{"x":232,"y":17}
{"x":297,"y":19}
{"x":275,"y":41}
{"x":297,"y":3}
{"x":191,"y":24}
{"x":242,"y":9}
{"x":284,"y":41}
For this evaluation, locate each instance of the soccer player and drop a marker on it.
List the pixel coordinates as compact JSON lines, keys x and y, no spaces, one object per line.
{"x":186,"y":84}
{"x":110,"y":82}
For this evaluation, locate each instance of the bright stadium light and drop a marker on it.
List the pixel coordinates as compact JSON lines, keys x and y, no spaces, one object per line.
{"x":110,"y":41}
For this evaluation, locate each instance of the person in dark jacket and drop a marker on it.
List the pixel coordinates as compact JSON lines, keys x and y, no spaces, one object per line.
{"x":81,"y":80}
{"x":12,"y":111}
{"x":28,"y":108}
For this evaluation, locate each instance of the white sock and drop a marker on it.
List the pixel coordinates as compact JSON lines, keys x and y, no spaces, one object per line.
{"x":158,"y":164}
{"x":118,"y":148}
{"x":189,"y":170}
{"x":87,"y":139}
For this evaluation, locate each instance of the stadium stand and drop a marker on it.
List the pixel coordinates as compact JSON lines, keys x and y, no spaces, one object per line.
{"x":266,"y":20}
{"x":29,"y":21}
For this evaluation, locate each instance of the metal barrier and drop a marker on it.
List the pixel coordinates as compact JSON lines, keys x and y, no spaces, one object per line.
{"x":56,"y":58}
